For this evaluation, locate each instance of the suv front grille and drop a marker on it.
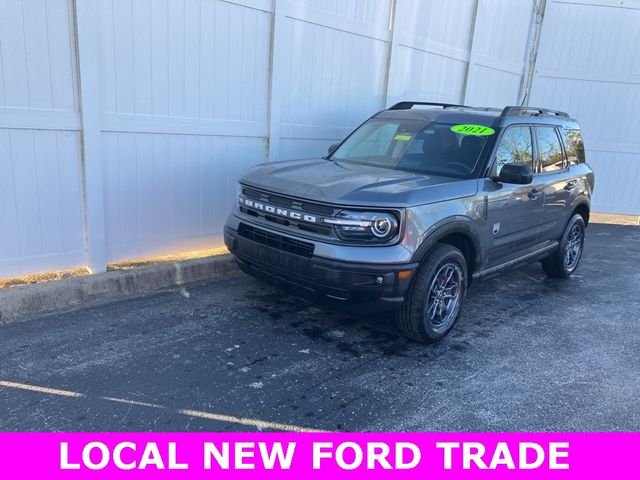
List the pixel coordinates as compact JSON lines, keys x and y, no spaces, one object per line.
{"x":290,"y":245}
{"x":300,"y":205}
{"x":282,"y":201}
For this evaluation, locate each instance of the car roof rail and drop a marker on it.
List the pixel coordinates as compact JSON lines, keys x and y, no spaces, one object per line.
{"x":408,"y":105}
{"x":515,"y":110}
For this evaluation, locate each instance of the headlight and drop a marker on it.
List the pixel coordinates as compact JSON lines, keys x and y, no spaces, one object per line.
{"x":364,"y":226}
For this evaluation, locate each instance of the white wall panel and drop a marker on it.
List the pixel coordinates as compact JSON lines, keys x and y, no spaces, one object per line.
{"x":40,"y":163}
{"x":179,"y":78}
{"x":460,"y":51}
{"x":502,"y":29}
{"x":169,"y":193}
{"x":179,"y":97}
{"x":499,"y":51}
{"x":333,"y":71}
{"x":597,"y":80}
{"x":491,"y":87}
{"x":202,"y":59}
{"x":292,"y":148}
{"x":373,"y":12}
{"x":420,"y":74}
{"x":36,"y":55}
{"x":40,"y":201}
{"x":442,"y":24}
{"x":431,"y":49}
{"x":617,"y":181}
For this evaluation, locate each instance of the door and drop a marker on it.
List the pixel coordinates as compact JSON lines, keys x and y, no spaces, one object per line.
{"x":514,"y":212}
{"x":558,"y":184}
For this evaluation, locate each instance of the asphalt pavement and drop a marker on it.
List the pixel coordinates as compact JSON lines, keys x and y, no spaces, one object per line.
{"x":529,"y":354}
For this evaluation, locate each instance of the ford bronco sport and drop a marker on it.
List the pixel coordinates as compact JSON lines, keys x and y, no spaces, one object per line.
{"x":415,"y":203}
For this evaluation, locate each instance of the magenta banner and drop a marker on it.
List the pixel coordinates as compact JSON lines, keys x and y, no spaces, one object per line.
{"x":319,"y":455}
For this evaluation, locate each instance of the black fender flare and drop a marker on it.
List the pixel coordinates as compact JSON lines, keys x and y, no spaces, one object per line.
{"x":580,"y":201}
{"x":458,"y":224}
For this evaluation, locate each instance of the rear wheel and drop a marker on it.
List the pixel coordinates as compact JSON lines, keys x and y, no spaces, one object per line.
{"x":436,"y":295}
{"x":564,"y":261}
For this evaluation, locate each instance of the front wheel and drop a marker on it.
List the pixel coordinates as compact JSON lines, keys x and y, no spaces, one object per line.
{"x":564,"y":261}
{"x":436,"y":295}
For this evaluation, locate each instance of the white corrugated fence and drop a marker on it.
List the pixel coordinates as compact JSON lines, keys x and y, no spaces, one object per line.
{"x":124,"y":124}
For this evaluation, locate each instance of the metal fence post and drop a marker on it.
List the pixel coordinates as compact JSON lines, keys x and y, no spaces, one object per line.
{"x":88,"y":51}
{"x":393,"y":46}
{"x":470,"y":62}
{"x":275,"y":80}
{"x":533,"y":43}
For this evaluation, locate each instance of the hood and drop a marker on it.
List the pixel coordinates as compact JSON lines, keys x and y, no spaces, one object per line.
{"x":345,"y":183}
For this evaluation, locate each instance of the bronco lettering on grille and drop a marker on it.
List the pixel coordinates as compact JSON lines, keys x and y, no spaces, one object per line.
{"x":279,"y":211}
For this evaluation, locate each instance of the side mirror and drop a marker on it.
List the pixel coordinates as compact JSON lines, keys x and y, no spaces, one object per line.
{"x":333,"y":147}
{"x":515,"y":173}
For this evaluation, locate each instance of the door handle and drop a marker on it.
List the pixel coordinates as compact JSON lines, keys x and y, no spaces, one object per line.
{"x":534,"y":194}
{"x":570,"y":186}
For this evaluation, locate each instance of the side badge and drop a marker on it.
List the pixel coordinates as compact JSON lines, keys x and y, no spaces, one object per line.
{"x":496,"y":228}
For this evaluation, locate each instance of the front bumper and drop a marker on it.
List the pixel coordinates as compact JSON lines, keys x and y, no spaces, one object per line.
{"x":355,"y":287}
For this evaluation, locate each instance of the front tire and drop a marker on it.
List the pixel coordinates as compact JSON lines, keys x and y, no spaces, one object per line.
{"x":564,"y":261}
{"x":435,"y":298}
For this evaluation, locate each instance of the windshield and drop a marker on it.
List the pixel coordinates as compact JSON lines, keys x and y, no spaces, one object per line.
{"x":433,"y":148}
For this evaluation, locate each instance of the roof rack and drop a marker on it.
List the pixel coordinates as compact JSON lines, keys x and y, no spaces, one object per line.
{"x":515,"y":110}
{"x":408,"y":105}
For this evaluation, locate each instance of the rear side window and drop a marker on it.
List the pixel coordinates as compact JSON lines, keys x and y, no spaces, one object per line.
{"x":549,"y":149}
{"x":576,"y":139}
{"x":515,"y":147}
{"x":570,"y":151}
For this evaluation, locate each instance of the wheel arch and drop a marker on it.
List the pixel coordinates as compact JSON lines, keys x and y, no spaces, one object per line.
{"x":458,"y":232}
{"x":583,"y":208}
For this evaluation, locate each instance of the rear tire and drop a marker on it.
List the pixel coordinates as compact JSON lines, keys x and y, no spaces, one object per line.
{"x":435,"y":297}
{"x":566,"y":258}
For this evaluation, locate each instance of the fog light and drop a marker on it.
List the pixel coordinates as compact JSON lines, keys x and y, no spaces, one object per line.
{"x":379,"y":280}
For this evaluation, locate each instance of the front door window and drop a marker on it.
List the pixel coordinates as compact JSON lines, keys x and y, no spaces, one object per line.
{"x":515,"y":147}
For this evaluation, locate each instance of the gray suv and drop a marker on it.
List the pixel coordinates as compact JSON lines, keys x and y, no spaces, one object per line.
{"x":412,"y":206}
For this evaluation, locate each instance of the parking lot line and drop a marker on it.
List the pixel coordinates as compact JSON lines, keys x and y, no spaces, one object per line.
{"x":35,"y":388}
{"x":259,"y":424}
{"x":131,"y":402}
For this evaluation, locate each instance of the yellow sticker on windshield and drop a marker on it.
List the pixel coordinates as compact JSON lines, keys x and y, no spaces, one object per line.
{"x":471,"y":129}
{"x":403,"y":138}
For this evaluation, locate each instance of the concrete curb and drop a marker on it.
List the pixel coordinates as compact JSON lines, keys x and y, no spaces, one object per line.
{"x":28,"y":301}
{"x":615,"y":219}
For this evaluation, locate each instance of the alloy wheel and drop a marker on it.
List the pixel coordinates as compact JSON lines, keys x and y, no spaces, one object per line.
{"x":443,"y":301}
{"x":573,"y":248}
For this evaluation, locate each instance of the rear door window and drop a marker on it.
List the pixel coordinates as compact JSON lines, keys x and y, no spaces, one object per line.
{"x":569,"y":149}
{"x":549,"y":149}
{"x":576,"y":139}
